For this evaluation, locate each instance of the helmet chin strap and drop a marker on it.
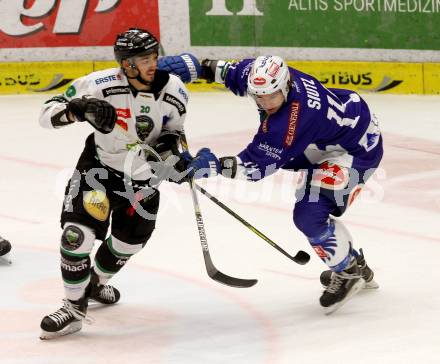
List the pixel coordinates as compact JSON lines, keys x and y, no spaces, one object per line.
{"x":141,"y":80}
{"x":138,"y":76}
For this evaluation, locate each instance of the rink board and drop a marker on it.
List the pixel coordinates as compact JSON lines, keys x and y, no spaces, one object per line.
{"x":35,"y":77}
{"x":381,"y":77}
{"x":432,"y":78}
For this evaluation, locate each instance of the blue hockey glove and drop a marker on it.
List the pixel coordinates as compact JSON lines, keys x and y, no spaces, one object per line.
{"x":186,"y":157}
{"x":204,"y":165}
{"x":185,"y":65}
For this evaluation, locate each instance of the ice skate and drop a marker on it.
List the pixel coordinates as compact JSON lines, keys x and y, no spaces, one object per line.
{"x":66,"y":320}
{"x":367,"y":273}
{"x":5,"y":249}
{"x":342,"y":286}
{"x":102,"y":293}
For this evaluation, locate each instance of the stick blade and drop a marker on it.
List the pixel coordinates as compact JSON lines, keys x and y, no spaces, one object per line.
{"x":301,"y":257}
{"x":231,"y":281}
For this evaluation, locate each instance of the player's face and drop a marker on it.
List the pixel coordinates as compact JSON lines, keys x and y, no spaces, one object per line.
{"x":147,"y":66}
{"x":270,"y":103}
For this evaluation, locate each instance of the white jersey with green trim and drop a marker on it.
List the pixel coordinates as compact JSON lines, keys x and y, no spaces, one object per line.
{"x":142,"y":116}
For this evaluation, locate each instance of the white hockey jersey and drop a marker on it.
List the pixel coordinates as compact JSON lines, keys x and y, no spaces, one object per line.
{"x":141,"y":118}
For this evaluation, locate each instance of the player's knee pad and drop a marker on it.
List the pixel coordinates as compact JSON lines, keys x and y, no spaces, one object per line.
{"x":333,"y":246}
{"x":77,"y":240}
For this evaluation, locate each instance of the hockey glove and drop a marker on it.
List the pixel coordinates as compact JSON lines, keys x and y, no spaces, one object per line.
{"x":214,"y":70}
{"x":99,"y":113}
{"x":167,"y":170}
{"x":185,"y":65}
{"x":173,"y":162}
{"x":204,"y":165}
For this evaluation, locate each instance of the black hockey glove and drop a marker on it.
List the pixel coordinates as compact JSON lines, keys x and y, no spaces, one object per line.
{"x":208,"y":70}
{"x":214,"y":70}
{"x":167,"y":170}
{"x":99,"y":113}
{"x":168,"y":144}
{"x":172,"y":168}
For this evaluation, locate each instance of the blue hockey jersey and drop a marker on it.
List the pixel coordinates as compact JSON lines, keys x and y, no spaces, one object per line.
{"x":322,"y":124}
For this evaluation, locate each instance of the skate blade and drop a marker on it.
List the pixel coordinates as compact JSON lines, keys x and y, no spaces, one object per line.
{"x":368,"y":285}
{"x":359,"y":285}
{"x":72,"y":328}
{"x":6,"y":259}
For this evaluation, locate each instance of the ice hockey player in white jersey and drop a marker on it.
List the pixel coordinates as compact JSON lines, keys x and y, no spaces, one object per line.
{"x":137,"y":112}
{"x":5,"y":248}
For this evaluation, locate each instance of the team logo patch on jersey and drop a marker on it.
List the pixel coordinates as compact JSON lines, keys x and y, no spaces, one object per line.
{"x":175,"y":102}
{"x":97,"y":205}
{"x":71,"y":91}
{"x":292,"y":125}
{"x":116,"y":90}
{"x":144,"y":126}
{"x":330,"y":176}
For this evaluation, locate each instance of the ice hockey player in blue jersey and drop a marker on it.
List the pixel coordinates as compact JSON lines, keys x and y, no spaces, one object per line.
{"x":330,"y":135}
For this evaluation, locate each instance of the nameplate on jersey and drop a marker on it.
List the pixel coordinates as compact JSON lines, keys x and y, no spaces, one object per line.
{"x":175,"y":102}
{"x":115,"y":90}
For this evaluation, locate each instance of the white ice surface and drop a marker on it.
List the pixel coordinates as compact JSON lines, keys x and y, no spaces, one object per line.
{"x":170,"y":311}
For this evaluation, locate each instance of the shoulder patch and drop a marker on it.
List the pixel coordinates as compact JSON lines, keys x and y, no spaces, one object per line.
{"x":115,"y":90}
{"x":292,"y":124}
{"x":175,"y":102}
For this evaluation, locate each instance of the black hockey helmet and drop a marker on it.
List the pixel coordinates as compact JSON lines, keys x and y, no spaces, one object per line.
{"x":135,"y":42}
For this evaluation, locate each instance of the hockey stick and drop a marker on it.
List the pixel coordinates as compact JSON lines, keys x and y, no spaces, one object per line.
{"x":212,"y":271}
{"x":301,"y":257}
